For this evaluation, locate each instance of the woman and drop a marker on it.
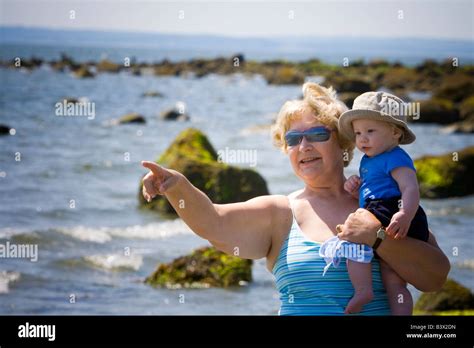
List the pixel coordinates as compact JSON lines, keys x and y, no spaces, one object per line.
{"x":288,"y":230}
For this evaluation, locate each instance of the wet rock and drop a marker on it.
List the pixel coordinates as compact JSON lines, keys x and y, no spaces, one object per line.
{"x":452,"y":296}
{"x":131,"y":118}
{"x":348,"y":98}
{"x":152,"y":94}
{"x":352,"y":84}
{"x":173,"y":115}
{"x":456,"y":87}
{"x":4,"y":129}
{"x":437,"y":110}
{"x":108,"y":66}
{"x":192,"y":154}
{"x":83,"y":72}
{"x":204,"y":267}
{"x":400,"y":78}
{"x":448,"y":175}
{"x":284,"y":75}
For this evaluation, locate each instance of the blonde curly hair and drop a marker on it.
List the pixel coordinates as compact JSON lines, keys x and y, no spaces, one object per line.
{"x":326,"y":108}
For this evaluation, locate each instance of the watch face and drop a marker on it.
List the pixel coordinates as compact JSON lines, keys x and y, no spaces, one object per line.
{"x":381,"y":233}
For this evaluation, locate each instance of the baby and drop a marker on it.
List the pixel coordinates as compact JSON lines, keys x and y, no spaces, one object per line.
{"x":387,"y":187}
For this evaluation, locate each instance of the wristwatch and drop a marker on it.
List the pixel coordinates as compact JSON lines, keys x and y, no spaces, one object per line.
{"x":380,"y":237}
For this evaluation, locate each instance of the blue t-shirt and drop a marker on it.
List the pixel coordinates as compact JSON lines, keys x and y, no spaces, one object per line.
{"x":374,"y":172}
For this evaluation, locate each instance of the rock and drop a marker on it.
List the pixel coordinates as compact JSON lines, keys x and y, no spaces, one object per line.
{"x":152,"y":94}
{"x":174,"y":114}
{"x":452,"y":296}
{"x":466,"y":109}
{"x":399,"y":78}
{"x":456,"y":87}
{"x":466,"y":113}
{"x":108,"y":66}
{"x":441,"y":111}
{"x":284,"y":75}
{"x":192,"y":154}
{"x":205,"y":267}
{"x":83,"y":72}
{"x":461,"y":127}
{"x":348,"y":98}
{"x":238,"y":58}
{"x":4,"y":129}
{"x":131,"y":118}
{"x":379,"y":63}
{"x":353,"y":84}
{"x":448,"y":175}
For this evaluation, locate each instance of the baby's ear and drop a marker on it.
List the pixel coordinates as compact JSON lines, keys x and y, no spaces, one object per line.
{"x":398,"y":133}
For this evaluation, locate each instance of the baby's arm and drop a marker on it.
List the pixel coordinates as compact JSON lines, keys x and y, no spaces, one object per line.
{"x":352,"y":185}
{"x":408,"y":185}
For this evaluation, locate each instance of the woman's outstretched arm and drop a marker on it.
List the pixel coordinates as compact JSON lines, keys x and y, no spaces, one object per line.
{"x":421,"y":264}
{"x":241,"y":229}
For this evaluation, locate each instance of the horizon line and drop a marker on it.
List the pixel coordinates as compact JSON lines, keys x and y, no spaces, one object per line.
{"x":117,"y":31}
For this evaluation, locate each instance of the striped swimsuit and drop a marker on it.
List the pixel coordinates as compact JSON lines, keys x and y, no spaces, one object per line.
{"x":303,"y":290}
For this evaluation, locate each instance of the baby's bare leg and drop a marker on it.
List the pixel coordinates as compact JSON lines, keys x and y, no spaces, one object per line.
{"x":361,"y":278}
{"x":400,"y":300}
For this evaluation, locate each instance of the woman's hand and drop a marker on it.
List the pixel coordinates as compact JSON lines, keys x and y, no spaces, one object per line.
{"x":360,"y":227}
{"x":158,"y":181}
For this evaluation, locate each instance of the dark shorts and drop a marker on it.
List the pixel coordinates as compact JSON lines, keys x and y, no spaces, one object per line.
{"x":384,"y":209}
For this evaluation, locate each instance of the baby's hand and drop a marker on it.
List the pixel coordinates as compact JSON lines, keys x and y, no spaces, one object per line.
{"x":399,"y":225}
{"x":352,"y":185}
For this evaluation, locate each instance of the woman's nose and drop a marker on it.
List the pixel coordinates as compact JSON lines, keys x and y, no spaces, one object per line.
{"x":305,"y":144}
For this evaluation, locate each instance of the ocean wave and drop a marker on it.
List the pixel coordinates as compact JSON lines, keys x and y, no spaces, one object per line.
{"x":115,"y":261}
{"x":101,"y":235}
{"x":7,"y":277}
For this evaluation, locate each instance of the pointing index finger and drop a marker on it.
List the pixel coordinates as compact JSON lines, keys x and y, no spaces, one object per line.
{"x":155,"y":168}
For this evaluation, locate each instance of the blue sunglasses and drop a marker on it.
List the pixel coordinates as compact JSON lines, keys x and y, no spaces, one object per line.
{"x":315,"y":134}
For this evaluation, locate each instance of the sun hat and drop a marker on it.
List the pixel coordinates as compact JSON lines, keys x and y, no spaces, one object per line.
{"x":379,"y":106}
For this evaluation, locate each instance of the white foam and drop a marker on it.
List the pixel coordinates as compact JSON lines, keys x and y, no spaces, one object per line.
{"x":86,"y":234}
{"x":469,"y":264}
{"x":7,"y":277}
{"x":161,"y":230}
{"x":116,"y":261}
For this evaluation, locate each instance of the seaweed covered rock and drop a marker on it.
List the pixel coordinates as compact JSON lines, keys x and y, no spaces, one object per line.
{"x":192,"y":154}
{"x":437,"y":110}
{"x":204,"y":267}
{"x":283,"y":75}
{"x":108,"y":66}
{"x":452,"y":296}
{"x":343,"y":83}
{"x":456,"y":87}
{"x":448,"y":175}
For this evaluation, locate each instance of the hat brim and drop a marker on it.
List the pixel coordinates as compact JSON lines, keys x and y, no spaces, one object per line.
{"x":345,"y":123}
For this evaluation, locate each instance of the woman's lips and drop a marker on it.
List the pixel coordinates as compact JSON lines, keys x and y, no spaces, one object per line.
{"x":309,"y":160}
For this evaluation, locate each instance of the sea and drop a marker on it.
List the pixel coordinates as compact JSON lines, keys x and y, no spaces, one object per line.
{"x":69,"y":184}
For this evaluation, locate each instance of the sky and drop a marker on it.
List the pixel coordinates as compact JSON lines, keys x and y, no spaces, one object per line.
{"x":446,"y":19}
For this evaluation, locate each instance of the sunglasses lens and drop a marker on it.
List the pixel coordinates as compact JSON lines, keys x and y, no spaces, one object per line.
{"x":293,"y":139}
{"x":316,"y":134}
{"x":318,"y":137}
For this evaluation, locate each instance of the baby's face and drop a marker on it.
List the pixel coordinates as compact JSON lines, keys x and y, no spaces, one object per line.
{"x":374,"y":137}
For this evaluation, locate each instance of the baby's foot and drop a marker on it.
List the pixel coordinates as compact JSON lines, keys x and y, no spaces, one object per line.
{"x":360,"y":298}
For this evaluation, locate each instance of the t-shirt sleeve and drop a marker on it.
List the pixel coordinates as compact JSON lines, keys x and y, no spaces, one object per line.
{"x":398,"y":158}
